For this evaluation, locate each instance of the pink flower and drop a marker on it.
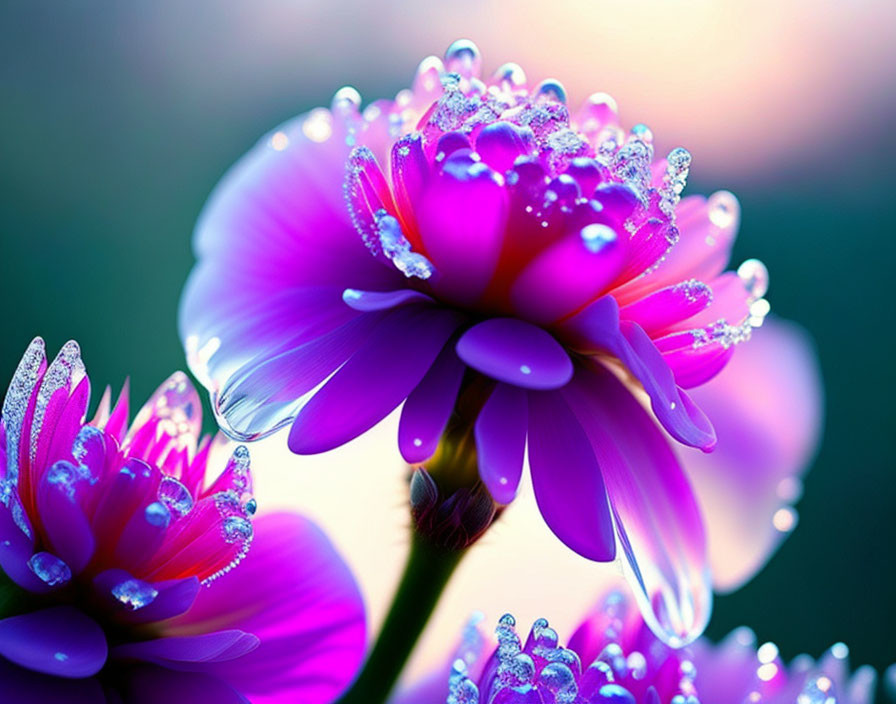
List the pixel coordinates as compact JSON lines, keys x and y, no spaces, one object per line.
{"x":499,"y":252}
{"x":120,"y":548}
{"x":614,"y":658}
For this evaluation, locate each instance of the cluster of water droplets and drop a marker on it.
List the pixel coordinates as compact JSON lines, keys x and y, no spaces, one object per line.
{"x":517,"y":672}
{"x":396,"y":246}
{"x":236,"y":506}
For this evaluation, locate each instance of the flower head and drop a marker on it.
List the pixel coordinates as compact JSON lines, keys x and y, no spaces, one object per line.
{"x":613,"y":658}
{"x":119,"y":545}
{"x":479,"y":243}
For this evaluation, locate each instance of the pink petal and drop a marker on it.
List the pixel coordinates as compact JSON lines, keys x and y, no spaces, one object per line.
{"x":767,"y":410}
{"x":295,"y":593}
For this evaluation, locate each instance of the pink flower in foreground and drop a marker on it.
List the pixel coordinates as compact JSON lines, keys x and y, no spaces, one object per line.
{"x":136,"y":574}
{"x":614,"y":658}
{"x":502,"y":254}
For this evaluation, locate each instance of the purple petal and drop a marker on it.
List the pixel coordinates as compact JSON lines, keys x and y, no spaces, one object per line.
{"x":367,"y":301}
{"x":21,"y":686}
{"x":501,"y":441}
{"x":64,"y":522}
{"x":174,"y":597}
{"x":567,"y":480}
{"x":295,"y":593}
{"x":461,"y":220}
{"x":264,"y":395}
{"x":569,"y":274}
{"x":657,"y":518}
{"x":767,"y":410}
{"x":60,"y":641}
{"x":190,"y":652}
{"x":429,"y":406}
{"x":16,"y":546}
{"x":515,"y":352}
{"x":597,"y":329}
{"x":501,"y":143}
{"x":378,"y":377}
{"x":150,"y":684}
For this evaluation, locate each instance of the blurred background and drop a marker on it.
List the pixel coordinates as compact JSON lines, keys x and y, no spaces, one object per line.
{"x":117,"y":120}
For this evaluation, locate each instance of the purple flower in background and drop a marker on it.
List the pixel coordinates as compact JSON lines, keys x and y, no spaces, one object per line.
{"x":118,"y":548}
{"x":480,"y":245}
{"x":614,"y":658}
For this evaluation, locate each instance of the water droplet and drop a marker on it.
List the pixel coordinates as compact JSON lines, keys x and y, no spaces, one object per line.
{"x":175,"y":496}
{"x":64,"y":475}
{"x":785,"y":519}
{"x":551,"y":89}
{"x":157,"y":514}
{"x":237,"y":528}
{"x":818,"y":690}
{"x":510,"y":76}
{"x":318,"y":126}
{"x":597,"y":236}
{"x":615,"y":694}
{"x":723,"y":209}
{"x":463,"y":57}
{"x":840,"y":651}
{"x":790,"y":489}
{"x":251,"y":507}
{"x":396,"y":246}
{"x":643,"y":132}
{"x":134,"y":593}
{"x":49,"y":569}
{"x":347,"y":100}
{"x":61,"y":657}
{"x":754,"y":276}
{"x":525,"y":369}
{"x":767,"y":652}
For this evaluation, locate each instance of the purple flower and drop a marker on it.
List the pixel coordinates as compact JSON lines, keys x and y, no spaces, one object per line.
{"x":614,"y":658}
{"x":479,"y":244}
{"x":119,"y":548}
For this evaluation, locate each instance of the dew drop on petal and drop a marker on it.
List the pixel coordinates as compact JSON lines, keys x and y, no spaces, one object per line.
{"x":157,"y":514}
{"x":510,"y":76}
{"x":318,"y":126}
{"x":134,"y":593}
{"x":49,"y":569}
{"x":785,"y":519}
{"x":597,"y":236}
{"x":463,"y":57}
{"x":551,"y":89}
{"x":754,"y":277}
{"x":175,"y":496}
{"x":723,"y":209}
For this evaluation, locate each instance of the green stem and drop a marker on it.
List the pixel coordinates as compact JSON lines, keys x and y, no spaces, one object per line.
{"x":426,"y":573}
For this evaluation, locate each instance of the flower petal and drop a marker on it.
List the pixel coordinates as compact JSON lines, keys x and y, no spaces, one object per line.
{"x":597,"y":329}
{"x":294,"y":592}
{"x":378,"y":377}
{"x":265,"y":394}
{"x":567,"y":480}
{"x":190,"y":652}
{"x":429,"y":406}
{"x":500,"y":432}
{"x":366,"y":301}
{"x":174,"y":597}
{"x":60,"y":641}
{"x":515,"y":352}
{"x":767,"y":410}
{"x":461,"y":219}
{"x":65,"y":524}
{"x":657,"y":518}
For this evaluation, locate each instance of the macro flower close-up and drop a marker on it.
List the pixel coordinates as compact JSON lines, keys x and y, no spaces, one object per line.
{"x":512,"y":269}
{"x":135,"y":571}
{"x":564,"y":321}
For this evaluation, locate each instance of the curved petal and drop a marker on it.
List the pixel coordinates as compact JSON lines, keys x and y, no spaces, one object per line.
{"x":567,"y":480}
{"x":598,"y":329}
{"x":173,"y":597}
{"x":65,"y":524}
{"x":296,"y":594}
{"x":500,"y":432}
{"x":377,"y":378}
{"x":515,"y":352}
{"x":60,"y":641}
{"x":190,"y":652}
{"x":657,"y":518}
{"x":767,"y":409}
{"x":17,"y":545}
{"x":429,"y":406}
{"x":275,"y":206}
{"x":461,"y":219}
{"x":366,"y":301}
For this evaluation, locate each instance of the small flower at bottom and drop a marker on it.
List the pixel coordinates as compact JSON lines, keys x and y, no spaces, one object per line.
{"x":132,"y":573}
{"x":613,"y":658}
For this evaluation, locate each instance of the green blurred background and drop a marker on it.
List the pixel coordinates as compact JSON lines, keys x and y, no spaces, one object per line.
{"x":116,"y":121}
